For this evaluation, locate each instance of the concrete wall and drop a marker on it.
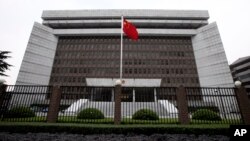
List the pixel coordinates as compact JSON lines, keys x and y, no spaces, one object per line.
{"x":212,"y":65}
{"x":38,"y":58}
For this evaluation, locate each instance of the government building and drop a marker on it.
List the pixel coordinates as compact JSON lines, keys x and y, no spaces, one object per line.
{"x":82,"y":48}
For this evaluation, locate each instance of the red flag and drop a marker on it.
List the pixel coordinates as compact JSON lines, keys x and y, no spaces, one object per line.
{"x":130,"y":30}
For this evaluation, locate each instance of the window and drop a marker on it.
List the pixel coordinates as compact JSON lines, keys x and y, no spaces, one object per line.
{"x":126,"y":70}
{"x":166,"y":62}
{"x":135,"y":62}
{"x":140,"y":71}
{"x":168,"y":80}
{"x":135,"y":71}
{"x":130,"y":71}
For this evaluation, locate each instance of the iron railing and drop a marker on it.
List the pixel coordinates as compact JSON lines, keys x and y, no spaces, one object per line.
{"x":216,"y":105}
{"x":139,"y":105}
{"x":151,"y":105}
{"x":86,"y":104}
{"x":25,"y":103}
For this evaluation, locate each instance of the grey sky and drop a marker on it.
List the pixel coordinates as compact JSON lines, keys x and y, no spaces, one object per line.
{"x":18,"y":16}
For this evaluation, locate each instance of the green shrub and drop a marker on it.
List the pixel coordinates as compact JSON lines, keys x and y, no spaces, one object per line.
{"x":20,"y":112}
{"x":90,"y":113}
{"x":206,"y":114}
{"x":145,"y":114}
{"x":195,"y":108}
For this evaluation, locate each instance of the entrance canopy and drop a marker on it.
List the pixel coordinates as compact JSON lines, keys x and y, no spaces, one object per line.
{"x":128,"y":82}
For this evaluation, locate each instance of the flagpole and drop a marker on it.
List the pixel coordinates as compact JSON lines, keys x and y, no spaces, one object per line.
{"x":121,"y":48}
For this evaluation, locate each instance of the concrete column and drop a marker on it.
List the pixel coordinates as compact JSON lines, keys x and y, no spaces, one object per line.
{"x":133,"y":94}
{"x":155,"y":95}
{"x":244,"y":104}
{"x":112,"y":96}
{"x":91,"y":94}
{"x":118,"y":91}
{"x":182,"y":105}
{"x":54,"y":105}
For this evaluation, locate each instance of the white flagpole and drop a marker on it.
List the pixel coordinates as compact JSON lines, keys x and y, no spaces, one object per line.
{"x":121,"y":48}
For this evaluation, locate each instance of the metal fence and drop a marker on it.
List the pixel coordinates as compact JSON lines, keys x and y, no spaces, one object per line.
{"x":149,"y":105}
{"x":216,"y":105}
{"x":25,"y":103}
{"x":86,"y":104}
{"x":139,"y":105}
{"x":89,"y":100}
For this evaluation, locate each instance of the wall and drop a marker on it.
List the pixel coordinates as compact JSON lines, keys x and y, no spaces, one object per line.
{"x":212,"y":65}
{"x":38,"y":58}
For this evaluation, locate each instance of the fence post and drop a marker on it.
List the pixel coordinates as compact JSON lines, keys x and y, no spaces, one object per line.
{"x":182,"y":105}
{"x":3,"y":88}
{"x":244,"y":104}
{"x":118,"y":91}
{"x":54,"y":104}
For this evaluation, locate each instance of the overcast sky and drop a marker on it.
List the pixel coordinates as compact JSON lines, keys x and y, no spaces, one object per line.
{"x":18,"y":16}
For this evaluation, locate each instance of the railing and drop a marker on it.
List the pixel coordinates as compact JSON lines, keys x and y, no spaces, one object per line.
{"x":139,"y":105}
{"x":149,"y":105}
{"x":216,"y":105}
{"x":87,"y":104}
{"x":25,"y":103}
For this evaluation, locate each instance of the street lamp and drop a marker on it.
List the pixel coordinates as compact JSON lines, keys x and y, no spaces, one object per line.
{"x":237,"y":84}
{"x":118,"y":82}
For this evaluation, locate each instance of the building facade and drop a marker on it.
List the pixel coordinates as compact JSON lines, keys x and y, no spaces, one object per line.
{"x":82,"y":48}
{"x":241,"y":71}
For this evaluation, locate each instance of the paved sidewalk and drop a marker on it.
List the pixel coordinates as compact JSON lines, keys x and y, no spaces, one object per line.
{"x":5,"y":136}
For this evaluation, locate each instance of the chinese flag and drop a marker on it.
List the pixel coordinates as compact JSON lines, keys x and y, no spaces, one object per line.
{"x":130,"y":30}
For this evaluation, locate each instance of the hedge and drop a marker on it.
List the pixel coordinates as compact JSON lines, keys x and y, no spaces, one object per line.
{"x":206,"y":114}
{"x":19,"y":112}
{"x":113,"y":129}
{"x":90,"y":113}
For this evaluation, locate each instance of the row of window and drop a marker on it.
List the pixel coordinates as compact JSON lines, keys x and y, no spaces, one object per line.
{"x":110,"y":39}
{"x":241,"y":77}
{"x":112,"y":46}
{"x":103,"y":71}
{"x":128,"y":54}
{"x":114,"y":62}
{"x":68,"y":79}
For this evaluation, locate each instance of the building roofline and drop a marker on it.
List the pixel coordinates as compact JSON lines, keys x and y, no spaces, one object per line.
{"x":132,"y":13}
{"x":240,"y":60}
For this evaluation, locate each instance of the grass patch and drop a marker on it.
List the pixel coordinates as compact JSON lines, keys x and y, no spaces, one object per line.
{"x":160,"y":121}
{"x":73,"y":119}
{"x":224,"y":121}
{"x":27,"y":119}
